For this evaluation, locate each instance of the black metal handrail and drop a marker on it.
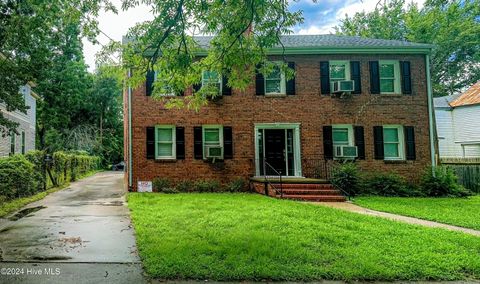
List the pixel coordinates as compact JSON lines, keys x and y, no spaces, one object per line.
{"x":279,"y":174}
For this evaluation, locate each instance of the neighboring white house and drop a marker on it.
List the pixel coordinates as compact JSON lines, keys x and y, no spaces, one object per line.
{"x":24,"y":141}
{"x":458,"y":124}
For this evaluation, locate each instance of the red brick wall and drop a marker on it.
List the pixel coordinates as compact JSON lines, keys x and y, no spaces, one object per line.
{"x":308,"y":107}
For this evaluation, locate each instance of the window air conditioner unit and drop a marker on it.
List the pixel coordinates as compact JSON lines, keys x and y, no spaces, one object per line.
{"x":213,"y":152}
{"x":343,"y":86}
{"x":349,"y":152}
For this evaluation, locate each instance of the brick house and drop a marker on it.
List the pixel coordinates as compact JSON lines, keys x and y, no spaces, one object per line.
{"x":351,"y":97}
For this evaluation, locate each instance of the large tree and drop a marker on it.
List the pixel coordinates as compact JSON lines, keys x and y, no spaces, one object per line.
{"x":242,"y":31}
{"x":452,"y":26}
{"x":30,"y":31}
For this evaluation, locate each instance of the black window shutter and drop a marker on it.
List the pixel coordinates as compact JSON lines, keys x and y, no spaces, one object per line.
{"x":359,"y":141}
{"x":378,"y":142}
{"x":226,"y":90}
{"x":150,"y":143}
{"x":149,"y":82}
{"x":406,"y":77}
{"x":290,"y":88}
{"x":180,"y":142}
{"x":374,"y":77}
{"x":355,"y":76}
{"x":328,"y":142}
{"x":259,"y":83}
{"x":197,"y":142}
{"x":227,"y":142}
{"x":325,"y":77}
{"x":410,"y":142}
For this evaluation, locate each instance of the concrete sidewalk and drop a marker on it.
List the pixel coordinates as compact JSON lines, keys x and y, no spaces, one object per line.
{"x":348,"y":206}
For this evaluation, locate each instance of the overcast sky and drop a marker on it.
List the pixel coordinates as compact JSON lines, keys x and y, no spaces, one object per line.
{"x":320,"y":18}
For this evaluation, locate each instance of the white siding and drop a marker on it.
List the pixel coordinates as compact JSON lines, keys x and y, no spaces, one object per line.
{"x":467,"y":124}
{"x":446,"y":134}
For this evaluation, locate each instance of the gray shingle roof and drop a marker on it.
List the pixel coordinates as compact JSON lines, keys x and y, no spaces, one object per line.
{"x":329,"y":40}
{"x":444,"y":102}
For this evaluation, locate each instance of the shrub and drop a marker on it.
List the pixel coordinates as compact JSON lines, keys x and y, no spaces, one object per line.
{"x":237,"y":185}
{"x":347,"y":178}
{"x":160,"y":184}
{"x":207,"y":186}
{"x":387,"y":184}
{"x":169,"y":190}
{"x":17,"y":177}
{"x":185,"y":186}
{"x":443,"y":183}
{"x":36,"y":157}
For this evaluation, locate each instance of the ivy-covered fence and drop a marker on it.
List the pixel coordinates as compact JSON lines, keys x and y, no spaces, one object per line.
{"x":25,"y":175}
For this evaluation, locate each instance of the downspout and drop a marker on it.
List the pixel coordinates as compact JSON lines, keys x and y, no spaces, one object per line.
{"x":130,"y":180}
{"x":430,"y":113}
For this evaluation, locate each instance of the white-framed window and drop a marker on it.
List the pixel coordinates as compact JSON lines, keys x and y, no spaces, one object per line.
{"x":339,"y":71}
{"x":168,"y":91}
{"x":165,"y":142}
{"x":393,"y":142}
{"x":389,"y":72}
{"x":212,"y":140}
{"x":342,"y":135}
{"x":212,"y":78}
{"x":275,"y":83}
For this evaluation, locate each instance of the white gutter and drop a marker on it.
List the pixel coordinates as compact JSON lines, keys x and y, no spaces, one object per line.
{"x":130,"y":179}
{"x":430,"y":112}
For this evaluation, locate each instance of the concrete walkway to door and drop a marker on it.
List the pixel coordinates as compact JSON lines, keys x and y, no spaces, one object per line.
{"x":348,"y":206}
{"x":84,"y":231}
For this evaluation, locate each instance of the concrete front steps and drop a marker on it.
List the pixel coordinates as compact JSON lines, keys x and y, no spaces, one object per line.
{"x":310,"y":192}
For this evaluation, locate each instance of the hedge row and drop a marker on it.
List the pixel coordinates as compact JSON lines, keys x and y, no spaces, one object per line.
{"x":23,"y":175}
{"x":443,"y":183}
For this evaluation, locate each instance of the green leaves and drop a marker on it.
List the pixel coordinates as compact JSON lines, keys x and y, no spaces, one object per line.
{"x":242,"y":33}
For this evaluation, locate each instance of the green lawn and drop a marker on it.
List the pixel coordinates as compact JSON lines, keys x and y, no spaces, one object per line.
{"x":464,"y":212}
{"x":253,"y":237}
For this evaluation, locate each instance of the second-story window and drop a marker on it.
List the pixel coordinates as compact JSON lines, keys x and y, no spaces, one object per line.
{"x":275,"y":82}
{"x":339,"y":71}
{"x":389,"y":77}
{"x":212,"y":79}
{"x":167,"y":90}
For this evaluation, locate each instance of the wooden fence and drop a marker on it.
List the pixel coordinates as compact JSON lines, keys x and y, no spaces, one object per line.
{"x":468,"y":171}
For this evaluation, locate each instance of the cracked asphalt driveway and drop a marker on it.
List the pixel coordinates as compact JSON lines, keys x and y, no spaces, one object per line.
{"x":86,"y":225}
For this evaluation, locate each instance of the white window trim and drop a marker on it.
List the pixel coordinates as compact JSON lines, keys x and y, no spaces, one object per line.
{"x":283,"y":83}
{"x":347,"y":69}
{"x":174,"y":142}
{"x":220,"y":80}
{"x":220,"y":135}
{"x":351,"y":139}
{"x":155,"y":78}
{"x":401,"y":143}
{"x":297,"y":157}
{"x":396,"y":73}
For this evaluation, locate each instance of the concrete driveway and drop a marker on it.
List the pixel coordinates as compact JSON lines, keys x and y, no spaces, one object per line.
{"x":83,"y":232}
